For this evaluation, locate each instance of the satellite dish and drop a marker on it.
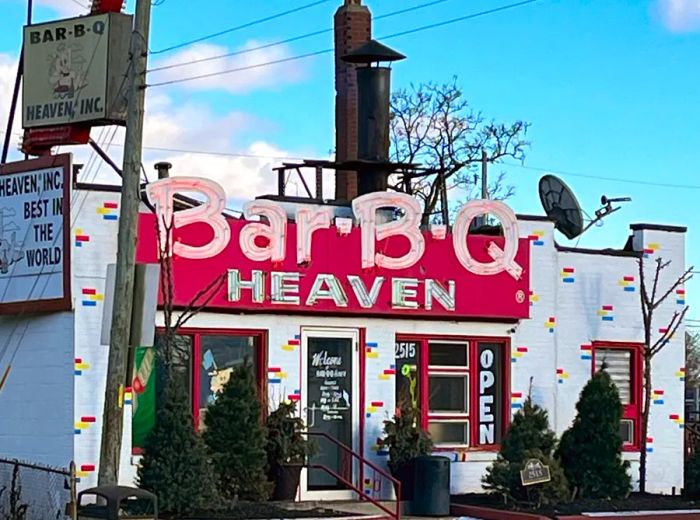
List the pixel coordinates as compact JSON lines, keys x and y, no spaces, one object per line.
{"x":561,"y":206}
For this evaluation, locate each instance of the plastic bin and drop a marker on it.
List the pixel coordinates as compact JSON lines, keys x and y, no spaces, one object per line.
{"x":431,"y":491}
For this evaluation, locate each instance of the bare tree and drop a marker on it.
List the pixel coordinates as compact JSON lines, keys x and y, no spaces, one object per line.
{"x":434,"y":126}
{"x":651,"y":299}
{"x":692,"y":360}
{"x":170,"y":347}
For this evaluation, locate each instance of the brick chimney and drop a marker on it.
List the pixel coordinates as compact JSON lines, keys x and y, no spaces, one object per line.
{"x":353,"y":28}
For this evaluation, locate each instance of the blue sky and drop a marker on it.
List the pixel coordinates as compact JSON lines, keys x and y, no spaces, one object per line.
{"x":609,"y":88}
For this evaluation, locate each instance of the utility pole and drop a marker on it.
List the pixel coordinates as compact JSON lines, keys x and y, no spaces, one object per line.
{"x":113,"y":414}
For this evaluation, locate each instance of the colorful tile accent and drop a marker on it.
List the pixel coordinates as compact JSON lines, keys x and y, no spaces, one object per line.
{"x":650,"y":442}
{"x":128,"y":396}
{"x":627,"y":283}
{"x":586,"y":352}
{"x":109,"y":211}
{"x":83,"y":424}
{"x":374,"y":407}
{"x":657,"y":396}
{"x":606,"y":313}
{"x":460,"y":456}
{"x":536,"y":238}
{"x":562,"y":375}
{"x":568,"y":275}
{"x":550,"y":324}
{"x":84,"y":471}
{"x":80,"y":366}
{"x":534,"y":298}
{"x":292,"y":344}
{"x":518,"y":352}
{"x":81,"y":237}
{"x":680,"y":296}
{"x":371,"y":350}
{"x":91,"y":297}
{"x":516,"y":400}
{"x":387,"y":373}
{"x":296,"y":396}
{"x":275,"y":375}
{"x":680,"y":374}
{"x":678,"y":419}
{"x":650,"y":249}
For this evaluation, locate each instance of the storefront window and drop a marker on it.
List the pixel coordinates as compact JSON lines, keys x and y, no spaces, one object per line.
{"x":219,"y":355}
{"x":623,"y":363}
{"x":202,"y":363}
{"x":459,"y":387}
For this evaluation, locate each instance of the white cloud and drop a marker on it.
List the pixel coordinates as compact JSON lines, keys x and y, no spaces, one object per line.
{"x":8,"y":72}
{"x":680,"y":15}
{"x":236,"y":82}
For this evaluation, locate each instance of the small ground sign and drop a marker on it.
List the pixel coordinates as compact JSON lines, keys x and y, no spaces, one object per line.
{"x":534,"y":473}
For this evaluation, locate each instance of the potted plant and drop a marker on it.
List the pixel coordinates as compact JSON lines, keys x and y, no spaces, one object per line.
{"x":405,"y":440}
{"x":287,"y":450}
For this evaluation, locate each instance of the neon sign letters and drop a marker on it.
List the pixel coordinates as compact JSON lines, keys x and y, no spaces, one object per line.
{"x":308,"y":220}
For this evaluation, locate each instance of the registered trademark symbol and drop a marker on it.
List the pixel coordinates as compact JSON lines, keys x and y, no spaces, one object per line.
{"x":520,"y":296}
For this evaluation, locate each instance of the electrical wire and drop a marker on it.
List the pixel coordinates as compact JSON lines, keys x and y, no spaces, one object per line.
{"x":289,"y":40}
{"x":604,"y":178}
{"x":239,"y":27}
{"x":325,"y":51}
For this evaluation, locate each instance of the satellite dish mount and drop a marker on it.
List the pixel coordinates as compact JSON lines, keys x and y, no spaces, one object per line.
{"x":560,"y":204}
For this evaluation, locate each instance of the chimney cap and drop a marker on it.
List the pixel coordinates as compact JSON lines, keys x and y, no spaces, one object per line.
{"x":372,"y":52}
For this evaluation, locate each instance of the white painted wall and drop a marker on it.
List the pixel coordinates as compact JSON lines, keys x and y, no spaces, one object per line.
{"x":537,"y":352}
{"x":36,"y":403}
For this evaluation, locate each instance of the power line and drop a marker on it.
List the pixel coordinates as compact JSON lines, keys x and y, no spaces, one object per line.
{"x":239,"y":27}
{"x":604,"y":178}
{"x":325,"y":51}
{"x":290,"y":40}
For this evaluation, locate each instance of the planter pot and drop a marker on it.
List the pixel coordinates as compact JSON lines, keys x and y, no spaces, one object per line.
{"x":286,"y":479}
{"x":405,"y":475}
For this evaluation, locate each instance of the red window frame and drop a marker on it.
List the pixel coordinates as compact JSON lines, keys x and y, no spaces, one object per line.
{"x":261,"y":338}
{"x":633,"y":410}
{"x":473,"y":382}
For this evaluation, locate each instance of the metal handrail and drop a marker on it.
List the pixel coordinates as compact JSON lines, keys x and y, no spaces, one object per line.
{"x":377,"y":469}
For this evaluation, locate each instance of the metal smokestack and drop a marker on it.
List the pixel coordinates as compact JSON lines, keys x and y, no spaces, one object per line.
{"x":373,"y":105}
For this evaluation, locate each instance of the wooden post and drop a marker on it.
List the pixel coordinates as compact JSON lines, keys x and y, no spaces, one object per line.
{"x":113,"y":413}
{"x":484,"y":175}
{"x":319,"y":183}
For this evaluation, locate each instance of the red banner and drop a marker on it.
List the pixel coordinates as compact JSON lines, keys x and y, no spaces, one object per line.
{"x":333,"y":282}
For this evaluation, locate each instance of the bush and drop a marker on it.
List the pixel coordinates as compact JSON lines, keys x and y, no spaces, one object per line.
{"x":174,"y":465}
{"x":236,"y":438}
{"x":404,"y":438}
{"x":528,"y":437}
{"x":591,"y":449}
{"x":285,"y":442}
{"x":691,"y":485}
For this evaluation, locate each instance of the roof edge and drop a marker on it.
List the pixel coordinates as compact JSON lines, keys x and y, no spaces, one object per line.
{"x":658,"y":227}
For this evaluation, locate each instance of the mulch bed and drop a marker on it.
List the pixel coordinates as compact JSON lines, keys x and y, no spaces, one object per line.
{"x":635,"y":502}
{"x":259,"y":510}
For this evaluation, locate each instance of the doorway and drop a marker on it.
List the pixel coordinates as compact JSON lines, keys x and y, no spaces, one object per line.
{"x":330,"y":404}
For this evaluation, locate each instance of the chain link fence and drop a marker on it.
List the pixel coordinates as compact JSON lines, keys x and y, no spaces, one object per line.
{"x":34,"y":492}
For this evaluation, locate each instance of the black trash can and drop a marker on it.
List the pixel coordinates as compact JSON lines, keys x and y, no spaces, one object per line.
{"x":431,"y":490}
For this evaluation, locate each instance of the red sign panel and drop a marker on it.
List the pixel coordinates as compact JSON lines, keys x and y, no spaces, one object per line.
{"x":333,"y":282}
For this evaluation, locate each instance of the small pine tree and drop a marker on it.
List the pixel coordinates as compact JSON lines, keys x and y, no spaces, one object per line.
{"x":236,"y":438}
{"x":174,"y":465}
{"x":528,"y":437}
{"x":591,"y":449}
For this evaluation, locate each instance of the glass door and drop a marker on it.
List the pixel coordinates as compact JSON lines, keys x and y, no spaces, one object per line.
{"x":330,"y":399}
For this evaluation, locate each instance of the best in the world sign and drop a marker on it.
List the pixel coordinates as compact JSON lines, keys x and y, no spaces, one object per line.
{"x":34,"y":235}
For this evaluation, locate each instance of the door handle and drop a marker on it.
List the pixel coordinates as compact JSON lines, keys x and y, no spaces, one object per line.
{"x":310,"y":416}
